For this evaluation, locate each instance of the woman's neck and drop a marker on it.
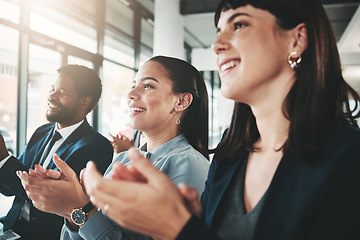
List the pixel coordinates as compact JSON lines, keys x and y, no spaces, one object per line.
{"x":154,"y":139}
{"x":273,"y":127}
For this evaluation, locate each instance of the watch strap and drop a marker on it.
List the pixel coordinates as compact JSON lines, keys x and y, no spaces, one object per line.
{"x":88,"y":207}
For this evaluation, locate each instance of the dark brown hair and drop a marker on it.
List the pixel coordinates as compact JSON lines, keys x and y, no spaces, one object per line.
{"x":195,"y":121}
{"x":318,"y":100}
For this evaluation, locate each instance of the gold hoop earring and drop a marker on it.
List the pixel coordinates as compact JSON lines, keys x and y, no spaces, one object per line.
{"x":294,"y":59}
{"x":177,"y":119}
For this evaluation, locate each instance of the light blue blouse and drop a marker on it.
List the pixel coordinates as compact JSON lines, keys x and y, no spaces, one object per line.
{"x":177,"y":158}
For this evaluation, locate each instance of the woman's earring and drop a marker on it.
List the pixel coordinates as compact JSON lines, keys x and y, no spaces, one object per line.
{"x":294,"y":59}
{"x":177,"y":118}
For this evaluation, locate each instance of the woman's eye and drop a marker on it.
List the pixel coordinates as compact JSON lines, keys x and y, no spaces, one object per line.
{"x":147,"y":86}
{"x":239,"y":25}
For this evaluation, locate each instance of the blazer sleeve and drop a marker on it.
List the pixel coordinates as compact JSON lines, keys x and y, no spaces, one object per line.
{"x":338,"y":217}
{"x":10,"y":184}
{"x":195,"y":229}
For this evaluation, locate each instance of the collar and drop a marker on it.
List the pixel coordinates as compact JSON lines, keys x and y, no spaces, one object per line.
{"x":158,"y":152}
{"x":65,"y":132}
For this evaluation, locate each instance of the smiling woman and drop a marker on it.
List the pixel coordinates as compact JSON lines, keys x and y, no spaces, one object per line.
{"x":169,"y":105}
{"x":288,"y":166}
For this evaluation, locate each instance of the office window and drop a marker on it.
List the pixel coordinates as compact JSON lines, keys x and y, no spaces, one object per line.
{"x":8,"y":82}
{"x":145,"y":54}
{"x":119,"y":15}
{"x":8,"y":96}
{"x":119,"y":48}
{"x":147,"y":32}
{"x":220,"y":108}
{"x":43,"y":65}
{"x":9,"y":11}
{"x":117,"y":82}
{"x":83,"y":62}
{"x":65,"y":28}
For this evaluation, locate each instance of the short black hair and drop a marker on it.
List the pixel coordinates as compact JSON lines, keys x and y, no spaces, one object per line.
{"x":86,"y":81}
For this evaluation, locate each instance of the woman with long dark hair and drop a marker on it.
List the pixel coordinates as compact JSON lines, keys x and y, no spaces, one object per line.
{"x":288,"y":167}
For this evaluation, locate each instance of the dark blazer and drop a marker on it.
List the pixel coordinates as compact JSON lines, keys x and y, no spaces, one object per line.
{"x":82,"y":145}
{"x":315,"y":200}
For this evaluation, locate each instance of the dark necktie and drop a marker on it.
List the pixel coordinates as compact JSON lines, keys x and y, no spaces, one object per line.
{"x":56,"y":136}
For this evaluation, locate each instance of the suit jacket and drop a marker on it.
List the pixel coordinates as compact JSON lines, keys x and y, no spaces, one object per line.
{"x":82,"y":145}
{"x":313,"y":199}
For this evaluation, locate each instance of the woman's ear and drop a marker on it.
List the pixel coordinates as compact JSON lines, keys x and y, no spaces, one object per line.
{"x":300,"y":42}
{"x":183,"y":102}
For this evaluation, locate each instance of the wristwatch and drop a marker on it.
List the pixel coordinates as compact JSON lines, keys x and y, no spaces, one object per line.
{"x":78,"y":215}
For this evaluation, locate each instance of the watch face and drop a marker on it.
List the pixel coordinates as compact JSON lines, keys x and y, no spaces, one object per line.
{"x":78,"y":216}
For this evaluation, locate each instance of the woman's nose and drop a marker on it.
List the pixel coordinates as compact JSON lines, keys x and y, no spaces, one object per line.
{"x":132,"y":94}
{"x":221,"y":44}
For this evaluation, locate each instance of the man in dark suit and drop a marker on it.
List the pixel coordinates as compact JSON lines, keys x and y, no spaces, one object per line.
{"x":74,"y":94}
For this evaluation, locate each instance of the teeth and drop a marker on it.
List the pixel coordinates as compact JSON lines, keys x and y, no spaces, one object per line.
{"x":135,"y":109}
{"x":228,"y":65}
{"x":52,"y":106}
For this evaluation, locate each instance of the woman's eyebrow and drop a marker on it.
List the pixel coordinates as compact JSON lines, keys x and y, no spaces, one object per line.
{"x":149,"y":78}
{"x":232,"y":17}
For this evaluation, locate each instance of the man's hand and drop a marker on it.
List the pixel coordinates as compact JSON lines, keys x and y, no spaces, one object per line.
{"x":54,"y":194}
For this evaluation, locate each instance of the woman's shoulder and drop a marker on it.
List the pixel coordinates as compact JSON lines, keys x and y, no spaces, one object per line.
{"x":345,"y":135}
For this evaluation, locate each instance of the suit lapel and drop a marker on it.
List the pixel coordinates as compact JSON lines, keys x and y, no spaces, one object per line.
{"x":70,"y":141}
{"x":225,"y":172}
{"x":299,"y":184}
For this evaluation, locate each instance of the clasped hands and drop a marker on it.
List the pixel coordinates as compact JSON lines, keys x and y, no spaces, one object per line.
{"x":52,"y":191}
{"x":138,"y":196}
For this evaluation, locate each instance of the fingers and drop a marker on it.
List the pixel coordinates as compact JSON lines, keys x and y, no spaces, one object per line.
{"x":95,"y":183}
{"x":66,"y":171}
{"x":145,"y":168}
{"x":26,"y":181}
{"x":91,"y":177}
{"x":112,"y":136}
{"x":33,"y":173}
{"x":40,"y":171}
{"x":191,"y":199}
{"x":121,"y":172}
{"x":82,"y":176}
{"x":53,"y":174}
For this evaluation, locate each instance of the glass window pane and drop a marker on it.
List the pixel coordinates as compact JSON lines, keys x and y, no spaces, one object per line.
{"x":43,"y":65}
{"x":117,"y":82}
{"x":88,"y":6}
{"x":9,"y":43}
{"x":220,"y":109}
{"x":83,"y":62}
{"x":147,"y":32}
{"x":80,"y":61}
{"x":63,"y":28}
{"x":8,"y":77}
{"x":120,"y":16}
{"x":9,"y":11}
{"x":145,"y":55}
{"x":119,"y":49}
